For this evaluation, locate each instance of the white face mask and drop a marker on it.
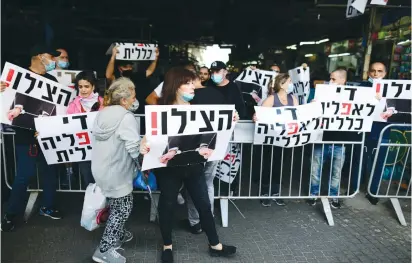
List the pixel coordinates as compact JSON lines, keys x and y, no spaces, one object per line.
{"x":133,"y":107}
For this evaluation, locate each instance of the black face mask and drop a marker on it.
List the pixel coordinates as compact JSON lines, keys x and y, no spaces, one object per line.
{"x":127,"y":73}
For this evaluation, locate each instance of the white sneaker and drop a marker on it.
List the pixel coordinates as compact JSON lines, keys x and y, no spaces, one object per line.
{"x":110,"y":256}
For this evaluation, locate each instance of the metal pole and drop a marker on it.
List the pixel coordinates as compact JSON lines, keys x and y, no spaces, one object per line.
{"x":368,"y":52}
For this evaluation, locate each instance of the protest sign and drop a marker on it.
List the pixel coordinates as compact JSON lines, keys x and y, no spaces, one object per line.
{"x":227,"y":169}
{"x":33,"y":94}
{"x":134,"y":51}
{"x":301,"y":83}
{"x":66,"y":138}
{"x":351,"y":11}
{"x":289,"y":126}
{"x":185,"y":134}
{"x":259,"y":80}
{"x":346,"y":108}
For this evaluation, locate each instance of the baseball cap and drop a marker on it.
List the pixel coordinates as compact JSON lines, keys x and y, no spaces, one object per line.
{"x":217,"y":66}
{"x":41,"y":49}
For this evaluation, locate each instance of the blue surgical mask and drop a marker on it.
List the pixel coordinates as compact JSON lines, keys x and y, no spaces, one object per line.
{"x":290,"y":88}
{"x":187,"y":97}
{"x":50,"y":66}
{"x":63,"y":64}
{"x":134,"y":106}
{"x":370,"y":79}
{"x":217,"y":78}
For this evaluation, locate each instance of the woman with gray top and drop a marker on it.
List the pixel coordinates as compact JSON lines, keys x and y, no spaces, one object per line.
{"x":114,"y":164}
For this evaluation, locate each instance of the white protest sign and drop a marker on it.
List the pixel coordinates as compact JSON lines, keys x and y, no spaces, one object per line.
{"x":351,"y":11}
{"x":66,"y":77}
{"x":187,"y":134}
{"x":300,"y":78}
{"x":32,"y":93}
{"x":227,"y":169}
{"x":395,"y":105}
{"x":379,"y":2}
{"x":258,"y":77}
{"x":360,"y":5}
{"x":134,"y":51}
{"x":346,"y":108}
{"x":289,"y":126}
{"x":66,"y":138}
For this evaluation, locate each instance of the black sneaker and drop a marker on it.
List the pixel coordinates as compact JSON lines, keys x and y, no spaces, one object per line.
{"x":335,"y":203}
{"x":52,"y":213}
{"x":7,"y":224}
{"x":167,"y":256}
{"x":372,"y":200}
{"x":226,"y":251}
{"x":196,"y":229}
{"x":265,"y":202}
{"x":279,"y":202}
{"x":311,"y":202}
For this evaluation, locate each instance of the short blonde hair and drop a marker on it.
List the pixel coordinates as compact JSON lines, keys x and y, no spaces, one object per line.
{"x":119,"y":89}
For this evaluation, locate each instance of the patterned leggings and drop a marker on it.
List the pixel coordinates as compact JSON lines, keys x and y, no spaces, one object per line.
{"x":120,"y":209}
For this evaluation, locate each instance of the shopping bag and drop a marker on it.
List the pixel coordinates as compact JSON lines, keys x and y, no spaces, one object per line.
{"x":145,"y":180}
{"x":94,"y":206}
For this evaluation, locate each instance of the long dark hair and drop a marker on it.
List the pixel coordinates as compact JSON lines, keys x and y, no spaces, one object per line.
{"x":174,"y":78}
{"x":276,"y":83}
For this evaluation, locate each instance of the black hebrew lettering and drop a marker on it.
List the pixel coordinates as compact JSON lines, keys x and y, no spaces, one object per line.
{"x":301,"y":99}
{"x":266,"y":78}
{"x":295,"y":88}
{"x":229,"y":114}
{"x":50,"y":93}
{"x":60,"y":97}
{"x":408,"y":87}
{"x":192,"y":115}
{"x":59,"y":155}
{"x":65,"y":120}
{"x":357,"y":109}
{"x":287,"y":141}
{"x":337,"y":107}
{"x":144,"y":55}
{"x":293,"y":111}
{"x":307,"y":135}
{"x":269,"y":140}
{"x":325,"y":122}
{"x":385,"y":89}
{"x":83,"y":152}
{"x":208,"y":127}
{"x":151,"y":51}
{"x":17,"y":80}
{"x":272,"y":127}
{"x":304,"y":125}
{"x":164,"y":123}
{"x":126,"y":53}
{"x":372,"y":108}
{"x":82,"y":120}
{"x":183,"y":119}
{"x":32,"y":83}
{"x":40,"y":84}
{"x":58,"y":138}
{"x":278,"y":111}
{"x":399,"y":85}
{"x":360,"y":120}
{"x":351,"y":122}
{"x":72,"y":141}
{"x":323,"y":106}
{"x":243,"y":76}
{"x":51,"y":140}
{"x":341,"y":119}
{"x":297,"y":139}
{"x":256,"y":78}
{"x":352,"y":92}
{"x":265,"y":129}
{"x":138,"y":55}
{"x":318,"y":123}
{"x":283,"y":128}
{"x":71,"y":151}
{"x":89,"y":147}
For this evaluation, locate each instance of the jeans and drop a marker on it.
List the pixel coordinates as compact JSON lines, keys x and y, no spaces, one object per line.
{"x":85,"y":168}
{"x":336,"y":153}
{"x":26,"y":168}
{"x":193,"y":215}
{"x":170,"y":181}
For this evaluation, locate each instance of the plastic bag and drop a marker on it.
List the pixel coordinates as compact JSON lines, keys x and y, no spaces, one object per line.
{"x":93,"y":206}
{"x":146,"y":181}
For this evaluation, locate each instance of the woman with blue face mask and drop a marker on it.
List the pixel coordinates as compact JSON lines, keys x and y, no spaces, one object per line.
{"x":179,"y":89}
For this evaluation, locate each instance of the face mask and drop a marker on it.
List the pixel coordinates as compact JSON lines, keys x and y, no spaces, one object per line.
{"x":217,"y":78}
{"x":187,"y":97}
{"x":290,"y":88}
{"x":50,"y":66}
{"x":127,"y":73}
{"x":134,"y":106}
{"x":63,"y":64}
{"x":370,"y":79}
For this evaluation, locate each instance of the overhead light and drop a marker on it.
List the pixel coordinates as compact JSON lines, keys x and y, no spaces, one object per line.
{"x":307,"y":43}
{"x":322,"y":40}
{"x":404,"y":42}
{"x":308,"y":55}
{"x":226,"y":45}
{"x":291,"y":47}
{"x":338,"y":55}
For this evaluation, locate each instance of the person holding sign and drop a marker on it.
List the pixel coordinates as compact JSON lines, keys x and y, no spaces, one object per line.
{"x":178,"y":89}
{"x":27,"y":151}
{"x":115,"y":163}
{"x":280,"y":94}
{"x":86,"y":101}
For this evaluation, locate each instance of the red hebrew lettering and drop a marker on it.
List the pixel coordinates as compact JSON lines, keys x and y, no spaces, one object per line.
{"x":378,"y":88}
{"x":9,"y":76}
{"x":84,"y":135}
{"x":230,"y":157}
{"x":349,"y":106}
{"x":293,"y":127}
{"x":154,"y":123}
{"x":71,"y":86}
{"x":140,"y":45}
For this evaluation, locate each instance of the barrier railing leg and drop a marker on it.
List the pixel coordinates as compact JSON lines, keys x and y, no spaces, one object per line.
{"x":30,"y":205}
{"x":327,"y":210}
{"x":398,"y":210}
{"x":224,"y":212}
{"x":153,"y":207}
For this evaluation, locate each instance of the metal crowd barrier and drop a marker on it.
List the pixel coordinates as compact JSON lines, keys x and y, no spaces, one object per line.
{"x":290,"y":168}
{"x":391,"y":170}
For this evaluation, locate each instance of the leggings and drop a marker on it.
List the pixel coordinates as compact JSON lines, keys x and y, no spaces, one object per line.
{"x":120,"y":209}
{"x":170,"y":180}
